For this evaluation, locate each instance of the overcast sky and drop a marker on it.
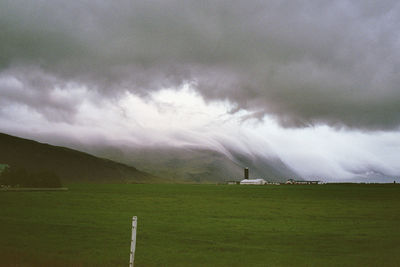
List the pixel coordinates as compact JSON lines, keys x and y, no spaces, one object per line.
{"x":315,"y":83}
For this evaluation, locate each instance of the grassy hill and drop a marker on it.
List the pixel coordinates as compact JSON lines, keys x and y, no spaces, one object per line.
{"x":184,"y":164}
{"x":70,"y":165}
{"x":195,"y":164}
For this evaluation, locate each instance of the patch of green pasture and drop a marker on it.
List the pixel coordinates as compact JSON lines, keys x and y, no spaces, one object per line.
{"x":2,"y":167}
{"x":203,"y":225}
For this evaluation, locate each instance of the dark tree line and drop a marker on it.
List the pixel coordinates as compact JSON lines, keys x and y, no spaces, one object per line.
{"x":20,"y":177}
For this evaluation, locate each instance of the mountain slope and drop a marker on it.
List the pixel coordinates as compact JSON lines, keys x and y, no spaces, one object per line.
{"x":197,"y":164}
{"x":68,"y":164}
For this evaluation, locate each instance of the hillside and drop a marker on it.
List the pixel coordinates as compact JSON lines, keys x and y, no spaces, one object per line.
{"x":193,"y":164}
{"x":71,"y":165}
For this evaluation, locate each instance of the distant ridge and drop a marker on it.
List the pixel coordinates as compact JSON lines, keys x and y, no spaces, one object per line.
{"x":193,"y":164}
{"x":71,"y":165}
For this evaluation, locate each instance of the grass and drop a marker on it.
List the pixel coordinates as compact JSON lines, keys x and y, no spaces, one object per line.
{"x":33,"y":189}
{"x":202,"y":225}
{"x":2,"y":167}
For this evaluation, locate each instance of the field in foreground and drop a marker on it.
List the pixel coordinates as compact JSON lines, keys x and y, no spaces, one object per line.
{"x":202,"y":225}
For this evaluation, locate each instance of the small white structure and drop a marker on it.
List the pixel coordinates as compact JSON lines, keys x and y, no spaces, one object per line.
{"x":253,"y":181}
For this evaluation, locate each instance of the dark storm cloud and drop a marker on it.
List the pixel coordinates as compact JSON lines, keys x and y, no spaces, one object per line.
{"x":38,"y":91}
{"x":305,"y":62}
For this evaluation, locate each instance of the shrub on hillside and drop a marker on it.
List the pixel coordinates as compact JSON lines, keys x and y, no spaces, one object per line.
{"x":19,"y":177}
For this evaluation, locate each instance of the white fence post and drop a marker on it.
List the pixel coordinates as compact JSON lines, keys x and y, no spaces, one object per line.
{"x":133,"y":241}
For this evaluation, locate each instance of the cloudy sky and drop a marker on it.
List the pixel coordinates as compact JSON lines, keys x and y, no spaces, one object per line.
{"x":315,"y":83}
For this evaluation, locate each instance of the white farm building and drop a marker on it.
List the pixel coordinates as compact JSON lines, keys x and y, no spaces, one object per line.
{"x":246,"y":179}
{"x":253,"y":181}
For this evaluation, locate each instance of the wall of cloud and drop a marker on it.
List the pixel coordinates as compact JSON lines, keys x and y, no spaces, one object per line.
{"x":181,"y":118}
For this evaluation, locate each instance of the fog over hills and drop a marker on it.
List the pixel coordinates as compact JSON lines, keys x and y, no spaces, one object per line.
{"x":156,"y":164}
{"x":196,"y":164}
{"x":188,"y":164}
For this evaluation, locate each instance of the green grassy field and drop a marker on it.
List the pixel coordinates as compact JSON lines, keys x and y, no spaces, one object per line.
{"x":2,"y":167}
{"x":202,"y":225}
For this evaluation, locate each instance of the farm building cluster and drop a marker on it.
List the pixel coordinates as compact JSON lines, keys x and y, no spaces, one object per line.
{"x":259,"y":181}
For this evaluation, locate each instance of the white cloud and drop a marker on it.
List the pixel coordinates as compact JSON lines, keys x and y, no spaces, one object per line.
{"x":180,"y":117}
